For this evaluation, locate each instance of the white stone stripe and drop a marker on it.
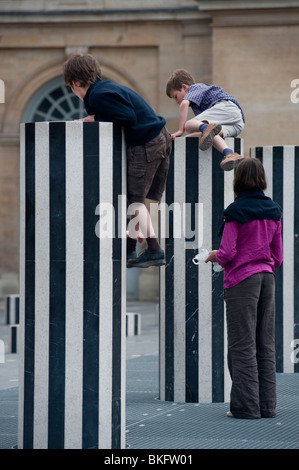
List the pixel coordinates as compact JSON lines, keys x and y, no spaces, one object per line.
{"x":288,"y":250}
{"x":228,"y":199}
{"x":205,"y":283}
{"x":41,"y":338}
{"x":162,"y":300}
{"x":179,"y":272}
{"x":122,"y":231}
{"x":229,"y":179}
{"x":106,"y":291}
{"x":268,"y":166}
{"x":22,"y":263}
{"x":74,"y":283}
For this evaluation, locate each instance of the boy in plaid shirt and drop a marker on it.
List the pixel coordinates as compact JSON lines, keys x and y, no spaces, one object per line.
{"x":217,"y":115}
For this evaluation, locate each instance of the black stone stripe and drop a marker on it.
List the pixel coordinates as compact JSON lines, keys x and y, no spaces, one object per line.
{"x":296,"y":256}
{"x":7,"y":310}
{"x":191,"y":274}
{"x":237,"y":148}
{"x":56,"y":410}
{"x":117,"y":189}
{"x":217,"y":283}
{"x":136,"y":318}
{"x":29,"y":319}
{"x":277,"y":196}
{"x":169,"y":287}
{"x":14,"y":339}
{"x":17,"y":307}
{"x":259,"y":153}
{"x":90,"y":438}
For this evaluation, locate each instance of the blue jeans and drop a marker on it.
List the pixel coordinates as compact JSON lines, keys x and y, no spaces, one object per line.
{"x":250,"y":313}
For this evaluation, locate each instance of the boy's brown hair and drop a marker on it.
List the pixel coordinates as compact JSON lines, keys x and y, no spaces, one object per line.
{"x":250,"y":175}
{"x":178,"y":78}
{"x":82,"y":68}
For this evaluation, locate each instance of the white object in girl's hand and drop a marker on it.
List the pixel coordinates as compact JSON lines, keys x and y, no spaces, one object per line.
{"x":217,"y":268}
{"x":202,"y":256}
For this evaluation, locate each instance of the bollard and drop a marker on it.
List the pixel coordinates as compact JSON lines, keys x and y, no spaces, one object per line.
{"x":72,"y":286}
{"x":281,"y":165}
{"x":133,"y":324}
{"x":13,"y":340}
{"x":192,"y":311}
{"x":12,"y":309}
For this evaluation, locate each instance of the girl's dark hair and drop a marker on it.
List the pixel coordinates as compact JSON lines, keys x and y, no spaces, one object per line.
{"x":82,"y":68}
{"x":178,"y":78}
{"x":250,"y":175}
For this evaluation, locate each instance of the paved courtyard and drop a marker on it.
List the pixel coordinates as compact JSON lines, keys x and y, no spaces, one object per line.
{"x":153,"y":424}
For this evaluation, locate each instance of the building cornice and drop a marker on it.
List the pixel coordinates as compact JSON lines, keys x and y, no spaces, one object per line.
{"x":262,"y":17}
{"x":103,"y":15}
{"x":242,"y":13}
{"x":228,"y":5}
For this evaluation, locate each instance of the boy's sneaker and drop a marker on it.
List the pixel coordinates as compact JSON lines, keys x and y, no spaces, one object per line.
{"x":148,"y":258}
{"x":208,"y":135}
{"x":131,"y":255}
{"x":231,"y":161}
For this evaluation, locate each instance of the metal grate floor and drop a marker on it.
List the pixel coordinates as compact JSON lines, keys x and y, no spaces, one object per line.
{"x":153,"y":424}
{"x":9,"y":418}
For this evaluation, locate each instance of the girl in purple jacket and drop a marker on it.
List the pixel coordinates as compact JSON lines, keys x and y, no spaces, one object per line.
{"x":250,"y":251}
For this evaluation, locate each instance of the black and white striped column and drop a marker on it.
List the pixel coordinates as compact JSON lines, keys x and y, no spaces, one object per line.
{"x":72,"y":286}
{"x":192,"y":310}
{"x":133,"y":324}
{"x":12,"y":302}
{"x":282,"y":172}
{"x":13,"y":338}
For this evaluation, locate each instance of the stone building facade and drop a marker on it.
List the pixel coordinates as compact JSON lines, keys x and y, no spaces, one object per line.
{"x":250,"y":48}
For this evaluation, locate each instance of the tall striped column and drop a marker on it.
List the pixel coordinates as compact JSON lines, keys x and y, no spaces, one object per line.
{"x":192,"y":310}
{"x":72,"y":286}
{"x":282,"y":172}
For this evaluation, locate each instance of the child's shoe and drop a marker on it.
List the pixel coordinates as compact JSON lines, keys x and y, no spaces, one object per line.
{"x":131,"y":256}
{"x":231,"y":161}
{"x":148,"y":258}
{"x":208,"y":135}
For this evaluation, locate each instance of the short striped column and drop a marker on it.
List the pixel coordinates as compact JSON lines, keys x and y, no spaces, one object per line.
{"x":133,"y":324}
{"x":192,"y":310}
{"x":12,"y":302}
{"x":72,"y":286}
{"x":281,"y":165}
{"x":13,"y":339}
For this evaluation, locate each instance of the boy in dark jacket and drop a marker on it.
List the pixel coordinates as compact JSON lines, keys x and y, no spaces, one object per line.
{"x":147,"y":141}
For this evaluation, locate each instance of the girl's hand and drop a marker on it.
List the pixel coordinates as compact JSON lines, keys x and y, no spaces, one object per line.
{"x":211,"y":257}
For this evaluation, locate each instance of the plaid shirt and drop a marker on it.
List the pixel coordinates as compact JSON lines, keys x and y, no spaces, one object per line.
{"x":203,"y":96}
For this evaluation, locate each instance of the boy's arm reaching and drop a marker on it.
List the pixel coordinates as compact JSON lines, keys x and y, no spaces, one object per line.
{"x":183,"y":114}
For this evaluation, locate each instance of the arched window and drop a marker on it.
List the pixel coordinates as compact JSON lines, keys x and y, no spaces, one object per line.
{"x":54,"y":102}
